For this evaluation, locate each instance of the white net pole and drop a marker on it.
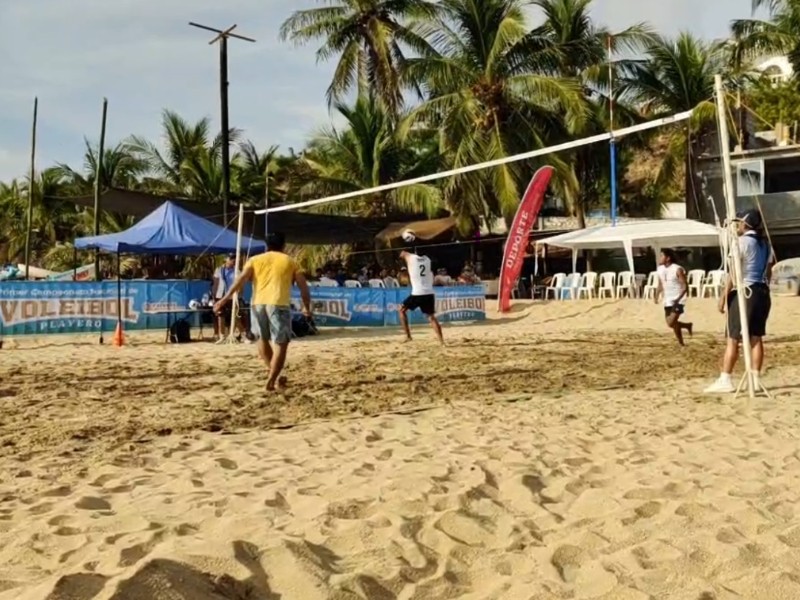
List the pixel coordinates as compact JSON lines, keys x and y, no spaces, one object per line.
{"x":733,"y":238}
{"x":236,"y":271}
{"x":603,"y":137}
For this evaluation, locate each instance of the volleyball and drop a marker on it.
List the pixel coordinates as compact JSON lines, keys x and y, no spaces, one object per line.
{"x":194,"y":304}
{"x":408,"y":236}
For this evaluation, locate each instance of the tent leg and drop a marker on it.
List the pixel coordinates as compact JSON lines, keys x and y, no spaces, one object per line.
{"x":169,"y":314}
{"x":98,"y":280}
{"x":119,"y":292}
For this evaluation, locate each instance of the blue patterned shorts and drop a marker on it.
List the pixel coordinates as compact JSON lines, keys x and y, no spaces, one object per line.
{"x":273,"y":323}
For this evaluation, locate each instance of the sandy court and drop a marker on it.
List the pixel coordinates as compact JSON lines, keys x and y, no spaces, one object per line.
{"x":563,"y":452}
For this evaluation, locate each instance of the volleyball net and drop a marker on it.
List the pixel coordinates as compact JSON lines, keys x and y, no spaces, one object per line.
{"x":603,"y":137}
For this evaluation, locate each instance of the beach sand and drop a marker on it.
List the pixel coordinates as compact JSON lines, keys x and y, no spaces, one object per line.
{"x":565,"y":451}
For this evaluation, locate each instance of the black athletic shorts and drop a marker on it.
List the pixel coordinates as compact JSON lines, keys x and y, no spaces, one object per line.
{"x":758,"y":306}
{"x":426,"y":303}
{"x":227,"y":311}
{"x":675,"y":309}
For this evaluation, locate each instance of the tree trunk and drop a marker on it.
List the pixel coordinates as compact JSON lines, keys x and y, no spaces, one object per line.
{"x":691,"y":202}
{"x":694,"y":206}
{"x":580,"y":214}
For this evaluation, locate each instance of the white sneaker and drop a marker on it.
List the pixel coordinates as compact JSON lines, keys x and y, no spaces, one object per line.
{"x":720,"y":386}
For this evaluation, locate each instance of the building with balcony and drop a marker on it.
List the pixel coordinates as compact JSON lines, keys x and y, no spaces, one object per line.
{"x":765,"y":178}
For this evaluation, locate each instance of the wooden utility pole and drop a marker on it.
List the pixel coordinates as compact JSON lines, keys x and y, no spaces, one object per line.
{"x":98,"y":186}
{"x":98,"y":189}
{"x":31,"y":184}
{"x":222,"y":37}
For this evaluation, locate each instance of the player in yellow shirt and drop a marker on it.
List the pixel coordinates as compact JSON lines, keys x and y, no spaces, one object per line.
{"x":272,"y":274}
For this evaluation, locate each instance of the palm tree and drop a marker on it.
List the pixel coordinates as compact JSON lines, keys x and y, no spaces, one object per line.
{"x":53,"y":220}
{"x":585,"y":51}
{"x":120,"y":169}
{"x":369,"y":37}
{"x":12,"y":220}
{"x":494,"y":90}
{"x":585,"y":46}
{"x":779,"y":35}
{"x":189,"y":149}
{"x":250,"y":171}
{"x":368,"y":153}
{"x":201,"y":175}
{"x":678,"y":75}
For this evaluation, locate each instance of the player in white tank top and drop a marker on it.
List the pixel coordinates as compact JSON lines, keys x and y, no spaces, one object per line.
{"x":420,"y":274}
{"x":674,"y":290}
{"x":422,"y":295}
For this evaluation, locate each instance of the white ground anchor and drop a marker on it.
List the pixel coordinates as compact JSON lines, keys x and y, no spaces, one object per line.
{"x":754,"y":384}
{"x":751,"y":380}
{"x":232,"y":338}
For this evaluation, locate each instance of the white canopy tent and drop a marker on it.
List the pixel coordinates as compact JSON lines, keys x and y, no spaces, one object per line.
{"x":786,"y":278}
{"x":663,"y":233}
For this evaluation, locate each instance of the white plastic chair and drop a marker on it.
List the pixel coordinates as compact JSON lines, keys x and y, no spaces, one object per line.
{"x":713,"y":284}
{"x":352,"y":283}
{"x":651,"y":287}
{"x":587,"y":285}
{"x":515,"y":290}
{"x":625,"y":284}
{"x":390,"y":282}
{"x":377,"y":283}
{"x":608,"y":285}
{"x":571,"y":285}
{"x":694,"y":281}
{"x":325,"y":282}
{"x":555,"y":287}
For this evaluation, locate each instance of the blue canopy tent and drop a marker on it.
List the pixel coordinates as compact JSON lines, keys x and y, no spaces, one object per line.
{"x":170,"y":230}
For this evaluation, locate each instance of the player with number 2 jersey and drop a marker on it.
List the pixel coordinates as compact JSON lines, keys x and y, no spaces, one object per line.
{"x":422,"y":294}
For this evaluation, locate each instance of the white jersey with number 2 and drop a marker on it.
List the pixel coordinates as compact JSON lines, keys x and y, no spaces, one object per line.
{"x":419,"y":272}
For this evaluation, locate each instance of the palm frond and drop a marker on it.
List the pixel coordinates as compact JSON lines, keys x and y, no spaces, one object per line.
{"x":304,"y":25}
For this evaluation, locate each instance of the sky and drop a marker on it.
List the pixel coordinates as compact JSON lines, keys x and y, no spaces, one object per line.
{"x":144,"y":57}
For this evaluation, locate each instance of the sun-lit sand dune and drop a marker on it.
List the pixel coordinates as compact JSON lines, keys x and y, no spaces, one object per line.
{"x":564,"y":451}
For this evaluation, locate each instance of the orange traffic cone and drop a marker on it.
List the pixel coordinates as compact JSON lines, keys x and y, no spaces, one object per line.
{"x":119,"y":338}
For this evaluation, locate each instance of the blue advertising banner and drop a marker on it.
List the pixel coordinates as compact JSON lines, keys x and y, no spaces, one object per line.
{"x":376,"y":307}
{"x":453,"y":304}
{"x":45,"y":307}
{"x":345,"y":307}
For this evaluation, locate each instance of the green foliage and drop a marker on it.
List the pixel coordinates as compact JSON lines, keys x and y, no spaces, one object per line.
{"x":370,"y":38}
{"x":677,"y":75}
{"x":489,"y":84}
{"x":779,"y":35}
{"x":370,"y":153}
{"x":774,"y":102}
{"x":493,"y":90}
